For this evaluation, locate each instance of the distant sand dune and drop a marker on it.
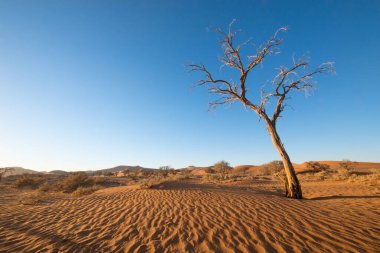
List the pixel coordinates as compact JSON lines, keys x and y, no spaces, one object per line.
{"x":187,"y":216}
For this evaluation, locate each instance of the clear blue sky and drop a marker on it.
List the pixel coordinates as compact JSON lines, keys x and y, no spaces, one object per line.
{"x":95,"y":84}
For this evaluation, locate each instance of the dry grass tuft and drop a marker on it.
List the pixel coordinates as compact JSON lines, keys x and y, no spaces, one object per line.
{"x":81,"y":191}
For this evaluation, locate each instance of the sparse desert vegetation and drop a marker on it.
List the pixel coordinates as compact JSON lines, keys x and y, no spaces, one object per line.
{"x":106,"y":143}
{"x":197,"y":209}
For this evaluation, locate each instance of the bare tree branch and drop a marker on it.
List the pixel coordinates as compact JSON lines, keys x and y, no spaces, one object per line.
{"x":283,"y":84}
{"x":294,"y":78}
{"x":297,"y":77}
{"x":227,"y":90}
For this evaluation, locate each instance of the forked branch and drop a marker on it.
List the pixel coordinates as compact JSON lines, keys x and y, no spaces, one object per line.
{"x":290,"y":79}
{"x":297,"y":77}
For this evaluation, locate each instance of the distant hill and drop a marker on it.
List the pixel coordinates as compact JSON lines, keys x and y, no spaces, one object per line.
{"x":20,"y":170}
{"x":362,"y":166}
{"x":196,"y":170}
{"x":58,"y":172}
{"x":121,"y":168}
{"x":17,"y":171}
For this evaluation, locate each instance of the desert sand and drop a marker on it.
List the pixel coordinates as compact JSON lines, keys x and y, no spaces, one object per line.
{"x":190,"y":215}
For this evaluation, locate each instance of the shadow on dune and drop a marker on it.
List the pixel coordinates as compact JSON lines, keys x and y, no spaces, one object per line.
{"x":55,"y":240}
{"x":344,"y":197}
{"x":192,"y":185}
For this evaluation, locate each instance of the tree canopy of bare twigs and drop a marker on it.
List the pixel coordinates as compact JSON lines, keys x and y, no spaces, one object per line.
{"x":297,"y":77}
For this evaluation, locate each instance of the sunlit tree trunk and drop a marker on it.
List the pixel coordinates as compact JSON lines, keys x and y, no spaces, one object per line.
{"x":292,"y":185}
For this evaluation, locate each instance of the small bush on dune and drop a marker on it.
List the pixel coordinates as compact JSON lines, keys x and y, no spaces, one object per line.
{"x":345,"y":171}
{"x":374,"y":171}
{"x":74,"y":181}
{"x":163,"y":174}
{"x":45,"y":187}
{"x":99,"y":180}
{"x":147,"y":184}
{"x":29,"y":181}
{"x":181,"y":176}
{"x":210,"y":171}
{"x":81,"y":191}
{"x":219,"y":177}
{"x":220,"y":171}
{"x":152,"y":182}
{"x":222,"y":167}
{"x":315,"y":167}
{"x":185,"y":173}
{"x":346,"y":167}
{"x":241,"y":170}
{"x":164,"y":171}
{"x":271,"y":168}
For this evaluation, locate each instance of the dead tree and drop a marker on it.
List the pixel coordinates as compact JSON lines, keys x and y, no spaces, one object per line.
{"x":297,"y":77}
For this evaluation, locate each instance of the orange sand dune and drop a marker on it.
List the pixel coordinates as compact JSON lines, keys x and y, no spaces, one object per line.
{"x":190,"y":216}
{"x":302,"y":166}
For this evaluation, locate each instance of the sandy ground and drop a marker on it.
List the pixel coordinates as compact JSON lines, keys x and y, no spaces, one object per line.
{"x":191,"y":216}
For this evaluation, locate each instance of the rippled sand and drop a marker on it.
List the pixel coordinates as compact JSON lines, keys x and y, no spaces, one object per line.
{"x":191,"y":216}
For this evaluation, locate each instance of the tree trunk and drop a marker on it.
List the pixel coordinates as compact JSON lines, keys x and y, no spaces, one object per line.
{"x":292,"y":185}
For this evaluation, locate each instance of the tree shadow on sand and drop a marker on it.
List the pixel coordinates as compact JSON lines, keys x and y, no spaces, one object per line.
{"x":343,"y":197}
{"x":192,"y":185}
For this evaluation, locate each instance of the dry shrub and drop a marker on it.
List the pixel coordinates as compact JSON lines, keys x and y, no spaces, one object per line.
{"x":181,"y":176}
{"x":166,"y":171}
{"x":346,"y":173}
{"x":152,"y":182}
{"x":155,"y":178}
{"x":147,"y":184}
{"x":222,"y":167}
{"x":272,"y":168}
{"x":164,"y":174}
{"x":321,"y":175}
{"x":45,"y":187}
{"x":372,"y":179}
{"x":221,"y":177}
{"x":81,"y":191}
{"x":29,"y":181}
{"x":220,"y":171}
{"x":74,"y":181}
{"x":210,"y":170}
{"x":241,"y":170}
{"x":316,"y":167}
{"x":99,"y":180}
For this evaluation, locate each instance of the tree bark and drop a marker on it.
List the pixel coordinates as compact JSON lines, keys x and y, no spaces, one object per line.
{"x":292,"y":185}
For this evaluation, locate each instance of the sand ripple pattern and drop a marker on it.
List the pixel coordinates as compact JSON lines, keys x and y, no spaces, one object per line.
{"x":187,"y":216}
